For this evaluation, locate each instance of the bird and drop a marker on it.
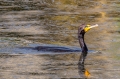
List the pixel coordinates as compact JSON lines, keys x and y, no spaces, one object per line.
{"x":81,"y":32}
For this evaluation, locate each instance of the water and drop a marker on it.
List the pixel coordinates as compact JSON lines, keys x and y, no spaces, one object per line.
{"x":31,"y":23}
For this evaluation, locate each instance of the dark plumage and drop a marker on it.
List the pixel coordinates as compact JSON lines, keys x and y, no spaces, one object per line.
{"x":81,"y":32}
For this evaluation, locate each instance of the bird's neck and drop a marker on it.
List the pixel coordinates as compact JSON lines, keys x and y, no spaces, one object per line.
{"x":82,"y":43}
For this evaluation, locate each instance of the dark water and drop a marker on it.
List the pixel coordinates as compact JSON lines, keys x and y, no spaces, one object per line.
{"x":31,"y":23}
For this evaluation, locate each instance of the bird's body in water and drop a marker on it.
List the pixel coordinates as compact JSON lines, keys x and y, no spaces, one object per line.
{"x":81,"y":32}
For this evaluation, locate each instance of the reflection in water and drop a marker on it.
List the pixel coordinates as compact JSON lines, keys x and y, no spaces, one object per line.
{"x":82,"y":71}
{"x":24,"y":22}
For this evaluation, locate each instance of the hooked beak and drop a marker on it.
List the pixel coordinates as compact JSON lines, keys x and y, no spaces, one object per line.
{"x":96,"y":25}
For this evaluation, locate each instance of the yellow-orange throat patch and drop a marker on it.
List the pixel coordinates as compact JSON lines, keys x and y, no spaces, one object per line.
{"x":86,"y":29}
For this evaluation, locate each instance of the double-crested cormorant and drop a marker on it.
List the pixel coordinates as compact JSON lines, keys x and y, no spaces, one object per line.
{"x":81,"y":32}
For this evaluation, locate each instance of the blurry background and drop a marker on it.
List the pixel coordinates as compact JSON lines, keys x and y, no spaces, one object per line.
{"x":28,"y":22}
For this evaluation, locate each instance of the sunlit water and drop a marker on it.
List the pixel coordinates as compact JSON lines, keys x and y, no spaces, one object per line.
{"x":31,"y":23}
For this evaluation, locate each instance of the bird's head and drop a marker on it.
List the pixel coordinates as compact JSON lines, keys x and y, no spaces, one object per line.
{"x":88,"y":27}
{"x":85,"y":28}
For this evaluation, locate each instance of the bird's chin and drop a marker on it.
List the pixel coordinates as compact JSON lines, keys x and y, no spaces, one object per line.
{"x":86,"y":29}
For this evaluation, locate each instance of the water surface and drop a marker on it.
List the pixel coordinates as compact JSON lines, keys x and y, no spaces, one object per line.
{"x":30,"y":23}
